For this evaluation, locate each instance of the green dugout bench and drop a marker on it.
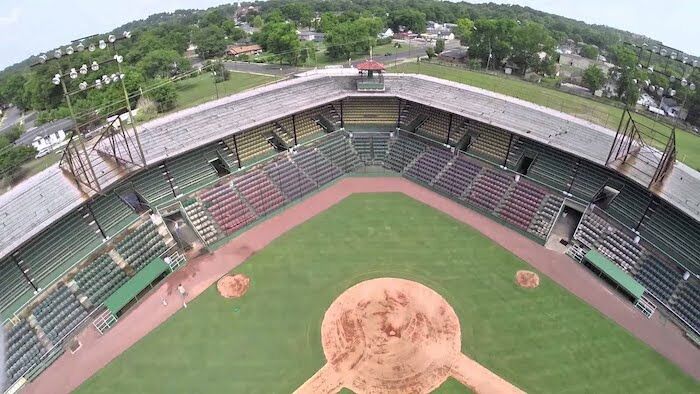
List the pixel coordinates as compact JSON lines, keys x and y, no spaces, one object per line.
{"x":613,"y":274}
{"x":134,"y":286}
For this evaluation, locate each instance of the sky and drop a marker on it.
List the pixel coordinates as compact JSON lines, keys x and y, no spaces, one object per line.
{"x":32,"y":26}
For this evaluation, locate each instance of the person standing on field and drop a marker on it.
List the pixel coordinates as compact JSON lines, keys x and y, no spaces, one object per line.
{"x":183,"y":294}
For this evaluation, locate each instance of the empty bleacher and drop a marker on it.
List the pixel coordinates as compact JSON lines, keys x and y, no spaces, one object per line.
{"x":100,"y":279}
{"x":429,"y":165}
{"x":257,"y":188}
{"x":112,"y":214}
{"x":227,"y":208}
{"x":489,"y":188}
{"x":201,"y":221}
{"x":315,"y":165}
{"x":307,"y":124}
{"x":15,"y":288}
{"x":488,"y":142}
{"x":193,"y":170}
{"x":252,"y":144}
{"x":550,"y":166}
{"x":545,"y":216}
{"x":629,"y":206}
{"x":659,"y":277}
{"x":153,"y":185}
{"x":673,"y":232}
{"x":371,"y":148}
{"x":402,"y":151}
{"x":141,"y":245}
{"x":426,"y":121}
{"x":22,"y":351}
{"x":60,"y":247}
{"x":339,"y":151}
{"x":458,"y":177}
{"x":589,"y":180}
{"x":688,"y":302}
{"x":291,"y":181}
{"x":522,"y":204}
{"x":370,"y":110}
{"x":59,"y":313}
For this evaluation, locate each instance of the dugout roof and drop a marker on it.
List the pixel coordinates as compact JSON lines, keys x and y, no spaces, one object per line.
{"x":615,"y":273}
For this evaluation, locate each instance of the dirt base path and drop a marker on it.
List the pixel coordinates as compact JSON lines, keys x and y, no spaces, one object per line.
{"x":70,"y":370}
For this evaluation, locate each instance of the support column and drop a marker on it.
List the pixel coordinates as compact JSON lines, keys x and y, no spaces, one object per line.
{"x":94,"y":218}
{"x":573,"y":179}
{"x":294,"y":128}
{"x":449,"y":130}
{"x":24,"y":274}
{"x":235,"y":148}
{"x":169,"y":179}
{"x":398,"y":119}
{"x":510,"y":145}
{"x":645,"y":214}
{"x":342,"y":117}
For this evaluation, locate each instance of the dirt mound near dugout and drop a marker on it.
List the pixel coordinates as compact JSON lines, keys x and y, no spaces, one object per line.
{"x":527,"y":279}
{"x":233,"y":286}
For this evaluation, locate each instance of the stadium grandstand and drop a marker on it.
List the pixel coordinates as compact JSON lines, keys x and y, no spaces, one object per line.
{"x":76,"y":251}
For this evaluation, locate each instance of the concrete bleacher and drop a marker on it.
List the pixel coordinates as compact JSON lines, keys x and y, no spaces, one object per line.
{"x":402,"y":151}
{"x":60,"y":247}
{"x":290,"y":180}
{"x":257,"y":188}
{"x":338,"y":149}
{"x":59,"y":313}
{"x":551,"y":167}
{"x":112,"y":214}
{"x":372,"y":148}
{"x":429,"y":165}
{"x":658,"y":276}
{"x":22,"y":351}
{"x":545,"y":216}
{"x":370,"y":110}
{"x":227,"y":208}
{"x":142,"y":245}
{"x":688,"y":302}
{"x":315,"y":165}
{"x":100,"y":279}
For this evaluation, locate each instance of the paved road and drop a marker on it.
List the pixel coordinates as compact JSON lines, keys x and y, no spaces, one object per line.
{"x":12,"y":116}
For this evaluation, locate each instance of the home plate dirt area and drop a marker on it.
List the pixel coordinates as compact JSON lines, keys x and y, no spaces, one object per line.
{"x":390,"y":335}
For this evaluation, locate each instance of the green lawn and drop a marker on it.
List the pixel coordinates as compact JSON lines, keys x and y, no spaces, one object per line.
{"x":543,"y":340}
{"x":688,"y":145}
{"x":200,"y":89}
{"x":384,"y":53}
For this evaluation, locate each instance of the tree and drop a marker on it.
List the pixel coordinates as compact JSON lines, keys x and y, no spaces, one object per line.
{"x":281,"y":38}
{"x":593,"y":78}
{"x":212,"y":18}
{"x":439,"y":46}
{"x":164,"y":95}
{"x":221,"y":74}
{"x":210,"y":41}
{"x":490,"y":40}
{"x":233,"y":32}
{"x":298,"y":13}
{"x":529,"y":40}
{"x":163,"y":63}
{"x":590,"y":51}
{"x":464,"y":30}
{"x":12,"y":90}
{"x":14,"y":133}
{"x":430,"y":51}
{"x":625,"y":73}
{"x":410,"y":18}
{"x":327,"y":22}
{"x":348,"y":38}
{"x":257,"y":22}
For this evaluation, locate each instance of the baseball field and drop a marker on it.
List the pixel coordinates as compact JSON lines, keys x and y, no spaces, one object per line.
{"x":269,"y":341}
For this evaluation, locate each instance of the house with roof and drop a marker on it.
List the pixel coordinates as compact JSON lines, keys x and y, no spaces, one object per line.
{"x":47,"y":137}
{"x":238,"y":50}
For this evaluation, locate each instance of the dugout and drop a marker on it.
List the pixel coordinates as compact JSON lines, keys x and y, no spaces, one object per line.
{"x":613,"y":275}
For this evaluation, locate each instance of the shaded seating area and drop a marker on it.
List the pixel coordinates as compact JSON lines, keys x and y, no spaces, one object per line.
{"x":199,"y":218}
{"x":371,"y":147}
{"x":289,"y":178}
{"x":315,"y":165}
{"x":673,"y":232}
{"x":371,"y":110}
{"x":15,"y":288}
{"x":192,"y":171}
{"x":140,"y":246}
{"x":429,"y":164}
{"x":153,"y":185}
{"x":100,"y":278}
{"x":402,"y":151}
{"x":338,"y":150}
{"x":112,"y":214}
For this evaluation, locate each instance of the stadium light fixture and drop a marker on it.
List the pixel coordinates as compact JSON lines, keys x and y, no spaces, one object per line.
{"x":56,"y":79}
{"x":111,"y":38}
{"x":83,"y":69}
{"x":80,"y":47}
{"x":102,"y":44}
{"x":119,"y":58}
{"x":126,"y":34}
{"x":73,"y":73}
{"x":98,"y":84}
{"x":95,"y":66}
{"x":83,"y":85}
{"x":69,"y":50}
{"x":57,"y":53}
{"x":691,"y":86}
{"x":91,"y":47}
{"x":42,"y":59}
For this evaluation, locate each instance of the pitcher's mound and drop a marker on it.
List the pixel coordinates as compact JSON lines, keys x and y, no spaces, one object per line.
{"x":527,"y":279}
{"x":233,"y":286}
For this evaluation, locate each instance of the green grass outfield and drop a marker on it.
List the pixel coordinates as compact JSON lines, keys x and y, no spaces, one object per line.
{"x":200,"y":89}
{"x":543,"y":340}
{"x":688,"y":145}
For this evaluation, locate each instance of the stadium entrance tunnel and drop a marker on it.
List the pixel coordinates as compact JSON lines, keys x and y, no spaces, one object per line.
{"x":183,"y":233}
{"x":565,"y":226}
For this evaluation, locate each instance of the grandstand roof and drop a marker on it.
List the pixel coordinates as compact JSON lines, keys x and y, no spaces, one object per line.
{"x":34,"y":204}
